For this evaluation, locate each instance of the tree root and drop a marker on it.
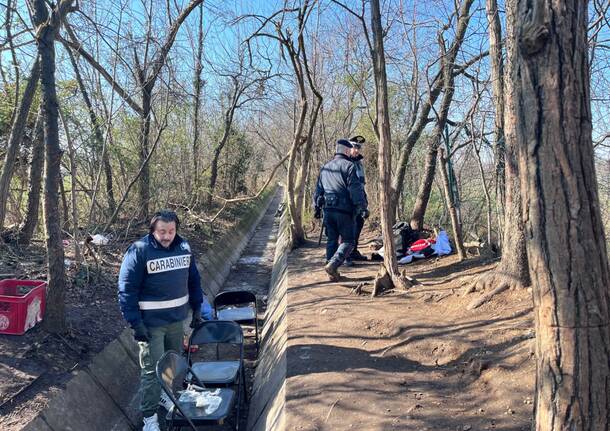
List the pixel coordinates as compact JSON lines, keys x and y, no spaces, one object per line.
{"x":385,"y":281}
{"x":382,"y":281}
{"x":493,"y":282}
{"x":359,"y":289}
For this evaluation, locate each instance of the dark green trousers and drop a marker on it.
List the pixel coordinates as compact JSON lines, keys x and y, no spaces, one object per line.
{"x":162,"y":339}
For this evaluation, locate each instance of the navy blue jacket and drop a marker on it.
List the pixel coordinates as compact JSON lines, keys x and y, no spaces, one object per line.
{"x":339,"y":184}
{"x":359,"y":168}
{"x":157,"y":285}
{"x":360,"y":172}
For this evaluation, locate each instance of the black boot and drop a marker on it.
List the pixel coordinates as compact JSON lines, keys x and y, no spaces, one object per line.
{"x":332,"y":272}
{"x":356,"y":255}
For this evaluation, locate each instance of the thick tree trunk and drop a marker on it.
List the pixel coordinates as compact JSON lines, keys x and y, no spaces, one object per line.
{"x":451,"y":209}
{"x":497,"y":79}
{"x":297,"y":233}
{"x":14,"y":140}
{"x":55,"y":319}
{"x":384,"y":159}
{"x":513,"y":269}
{"x":565,"y":238}
{"x":26,"y":230}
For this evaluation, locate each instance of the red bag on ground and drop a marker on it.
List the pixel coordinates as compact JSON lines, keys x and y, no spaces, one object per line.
{"x":421,"y":244}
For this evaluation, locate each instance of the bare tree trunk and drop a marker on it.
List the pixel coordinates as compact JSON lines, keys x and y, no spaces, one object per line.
{"x":513,"y":269}
{"x":97,"y":134}
{"x":228,"y":126}
{"x":197,"y":103}
{"x":144,"y":182}
{"x":216,"y":157}
{"x":65,"y":213}
{"x":565,"y":238}
{"x":214,"y":168}
{"x":425,"y":186}
{"x":298,"y":59}
{"x":307,"y":149}
{"x":73,"y":196}
{"x":447,"y":58}
{"x":488,"y":203}
{"x":55,"y":319}
{"x":26,"y":230}
{"x":10,"y":41}
{"x":297,"y":233}
{"x":147,"y":77}
{"x":455,"y":223}
{"x":384,"y":159}
{"x":447,"y":70}
{"x":497,"y":79}
{"x":14,"y":140}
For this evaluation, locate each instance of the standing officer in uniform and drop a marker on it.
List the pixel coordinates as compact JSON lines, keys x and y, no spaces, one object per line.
{"x":158,"y":283}
{"x":356,"y":157}
{"x":343,"y":195}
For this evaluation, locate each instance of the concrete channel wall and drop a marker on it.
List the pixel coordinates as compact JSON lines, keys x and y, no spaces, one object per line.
{"x":268,"y":399}
{"x":102,"y":395}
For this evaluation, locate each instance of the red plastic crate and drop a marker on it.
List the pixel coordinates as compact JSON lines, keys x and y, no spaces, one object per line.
{"x":19,"y":310}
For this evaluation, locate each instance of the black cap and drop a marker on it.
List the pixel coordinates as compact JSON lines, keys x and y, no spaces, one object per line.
{"x":357,"y":141}
{"x":345,"y":143}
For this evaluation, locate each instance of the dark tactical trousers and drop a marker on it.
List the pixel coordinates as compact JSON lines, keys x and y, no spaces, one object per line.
{"x":339,"y":225}
{"x":359,"y":223}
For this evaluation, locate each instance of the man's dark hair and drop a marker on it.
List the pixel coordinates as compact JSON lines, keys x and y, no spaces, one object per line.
{"x":166,"y":216}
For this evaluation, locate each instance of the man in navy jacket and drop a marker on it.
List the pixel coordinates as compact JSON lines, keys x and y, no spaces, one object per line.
{"x":343,"y":195}
{"x":158,"y":284}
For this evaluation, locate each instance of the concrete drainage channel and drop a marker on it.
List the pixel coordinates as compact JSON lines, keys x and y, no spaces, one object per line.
{"x":102,"y":395}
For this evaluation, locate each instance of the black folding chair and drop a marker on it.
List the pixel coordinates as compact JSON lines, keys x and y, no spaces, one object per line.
{"x":238,"y":306}
{"x":219,"y":372}
{"x":172,"y":370}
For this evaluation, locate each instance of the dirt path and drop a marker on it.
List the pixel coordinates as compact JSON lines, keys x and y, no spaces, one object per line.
{"x":415,"y":360}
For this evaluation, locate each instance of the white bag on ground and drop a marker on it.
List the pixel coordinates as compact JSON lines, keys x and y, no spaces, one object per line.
{"x":99,"y":239}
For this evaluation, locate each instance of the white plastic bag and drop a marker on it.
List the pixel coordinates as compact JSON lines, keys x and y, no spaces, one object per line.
{"x":99,"y":239}
{"x":206,"y":399}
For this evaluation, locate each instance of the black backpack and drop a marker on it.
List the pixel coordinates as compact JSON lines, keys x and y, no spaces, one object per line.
{"x":407,"y":236}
